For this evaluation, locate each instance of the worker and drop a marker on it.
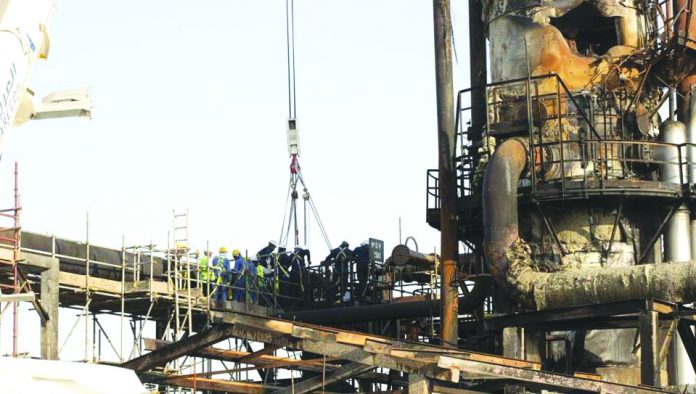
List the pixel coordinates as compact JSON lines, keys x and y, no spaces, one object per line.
{"x":203,"y":271}
{"x":265,"y":256}
{"x":361,"y":257}
{"x":266,"y":252}
{"x":261,"y":283}
{"x":245,"y":271}
{"x":220,"y":274}
{"x":280,"y":263}
{"x":339,"y":259}
{"x":299,"y":260}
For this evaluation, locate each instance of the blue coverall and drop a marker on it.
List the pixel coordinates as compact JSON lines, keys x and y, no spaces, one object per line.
{"x":221,"y":270}
{"x":244,"y":269}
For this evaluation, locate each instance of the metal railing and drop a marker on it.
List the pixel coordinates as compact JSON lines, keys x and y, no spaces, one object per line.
{"x":582,"y":150}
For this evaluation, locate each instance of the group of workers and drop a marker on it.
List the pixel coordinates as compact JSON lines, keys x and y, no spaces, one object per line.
{"x":278,"y":271}
{"x":245,"y":279}
{"x":339,"y":267}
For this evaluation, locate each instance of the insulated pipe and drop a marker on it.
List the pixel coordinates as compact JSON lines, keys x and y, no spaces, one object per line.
{"x":500,"y":226}
{"x":403,"y":255}
{"x":691,"y":156}
{"x":677,"y":232}
{"x":680,"y":230}
{"x":395,"y":310}
{"x":510,"y":260}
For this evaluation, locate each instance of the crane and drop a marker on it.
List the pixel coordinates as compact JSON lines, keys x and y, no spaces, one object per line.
{"x":23,"y":40}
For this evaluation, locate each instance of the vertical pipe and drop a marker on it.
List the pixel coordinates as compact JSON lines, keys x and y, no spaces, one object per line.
{"x":447,"y":186}
{"x":685,"y":30}
{"x":477,"y":71}
{"x":15,"y":258}
{"x":123,"y":291}
{"x":691,"y":159}
{"x":87,"y":294}
{"x":677,"y":238}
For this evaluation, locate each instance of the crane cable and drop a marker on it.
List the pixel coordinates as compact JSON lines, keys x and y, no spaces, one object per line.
{"x":295,"y":173}
{"x":290,"y":42}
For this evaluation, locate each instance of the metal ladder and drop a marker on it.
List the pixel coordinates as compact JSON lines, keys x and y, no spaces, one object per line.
{"x":182,"y":271}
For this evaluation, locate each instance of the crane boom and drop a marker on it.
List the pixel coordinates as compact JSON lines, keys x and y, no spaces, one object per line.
{"x":23,"y":40}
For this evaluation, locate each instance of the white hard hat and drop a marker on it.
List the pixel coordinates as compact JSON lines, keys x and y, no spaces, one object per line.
{"x":272,"y":242}
{"x":363,"y":243}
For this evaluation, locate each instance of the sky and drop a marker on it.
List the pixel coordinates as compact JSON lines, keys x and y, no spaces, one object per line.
{"x":190,"y":106}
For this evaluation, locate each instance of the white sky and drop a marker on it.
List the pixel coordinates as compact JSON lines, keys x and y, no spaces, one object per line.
{"x":190,"y":107}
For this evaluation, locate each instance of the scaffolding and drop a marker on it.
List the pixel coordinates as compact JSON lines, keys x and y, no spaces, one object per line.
{"x":142,"y":285}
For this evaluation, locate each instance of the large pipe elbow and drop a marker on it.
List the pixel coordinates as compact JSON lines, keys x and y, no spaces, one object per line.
{"x":510,"y":262}
{"x":500,"y":221}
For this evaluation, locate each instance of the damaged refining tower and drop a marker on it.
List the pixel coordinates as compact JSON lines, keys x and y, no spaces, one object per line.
{"x":575,"y":188}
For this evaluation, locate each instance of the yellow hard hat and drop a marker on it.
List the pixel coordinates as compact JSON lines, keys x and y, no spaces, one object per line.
{"x":236,"y":252}
{"x":181,"y":246}
{"x":223,"y":249}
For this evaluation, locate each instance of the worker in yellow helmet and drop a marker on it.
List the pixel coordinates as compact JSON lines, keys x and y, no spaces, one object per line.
{"x":221,"y":271}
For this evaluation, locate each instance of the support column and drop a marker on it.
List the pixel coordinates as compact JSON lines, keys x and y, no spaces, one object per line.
{"x":513,"y":339}
{"x":446,"y":138}
{"x":649,"y":360}
{"x":418,"y":384}
{"x":49,"y":301}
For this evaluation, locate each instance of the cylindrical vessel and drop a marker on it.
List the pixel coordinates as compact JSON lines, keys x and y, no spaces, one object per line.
{"x":673,"y":157}
{"x":677,"y":232}
{"x":691,"y":140}
{"x":677,"y":241}
{"x":678,"y":236}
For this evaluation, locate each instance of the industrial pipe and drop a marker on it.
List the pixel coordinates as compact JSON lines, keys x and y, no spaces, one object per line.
{"x":403,"y":255}
{"x":691,"y":156}
{"x":446,"y":140}
{"x":677,"y":232}
{"x":392,"y":311}
{"x":510,"y":260}
{"x":500,"y":226}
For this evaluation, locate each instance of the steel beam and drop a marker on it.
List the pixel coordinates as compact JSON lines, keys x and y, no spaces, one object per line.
{"x":268,"y":349}
{"x":314,"y":383}
{"x":224,"y":386}
{"x":180,"y":348}
{"x":266,"y":361}
{"x":545,"y":379}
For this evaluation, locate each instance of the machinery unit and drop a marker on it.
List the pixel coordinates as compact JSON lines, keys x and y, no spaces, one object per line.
{"x":575,"y":173}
